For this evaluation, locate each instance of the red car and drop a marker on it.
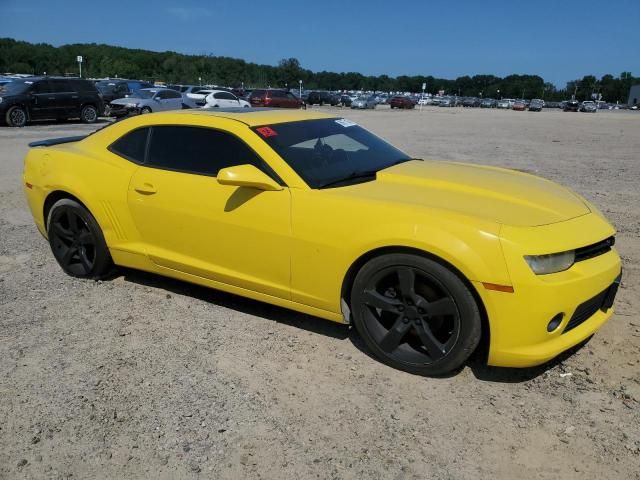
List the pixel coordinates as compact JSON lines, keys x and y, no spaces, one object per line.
{"x":274,"y":98}
{"x":519,"y":106}
{"x":401,"y":102}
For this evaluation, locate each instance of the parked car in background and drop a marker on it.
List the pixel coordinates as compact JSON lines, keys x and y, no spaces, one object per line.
{"x":147,"y":100}
{"x":519,"y":106}
{"x":571,"y":106}
{"x":506,"y":103}
{"x":364,"y":102}
{"x":488,"y":103}
{"x":471,"y":102}
{"x":345,"y":100}
{"x":536,"y":105}
{"x":196,"y":95}
{"x":447,"y":102}
{"x":425,"y":101}
{"x":38,"y":98}
{"x":320,"y":97}
{"x":400,"y":101}
{"x":588,"y":106}
{"x":224,"y":99}
{"x":274,"y":98}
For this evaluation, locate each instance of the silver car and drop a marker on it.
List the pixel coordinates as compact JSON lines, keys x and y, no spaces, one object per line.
{"x":147,"y":100}
{"x":364,"y":102}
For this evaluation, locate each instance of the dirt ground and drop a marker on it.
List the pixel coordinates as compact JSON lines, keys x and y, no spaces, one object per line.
{"x":142,"y":377}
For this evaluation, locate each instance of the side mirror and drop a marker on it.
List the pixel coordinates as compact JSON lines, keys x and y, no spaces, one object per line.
{"x":247,"y":176}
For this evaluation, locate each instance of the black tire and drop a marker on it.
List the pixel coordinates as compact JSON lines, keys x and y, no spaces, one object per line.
{"x":16,"y":116}
{"x":145,"y":110}
{"x":89,"y":114}
{"x":415,"y":314}
{"x":76,"y":241}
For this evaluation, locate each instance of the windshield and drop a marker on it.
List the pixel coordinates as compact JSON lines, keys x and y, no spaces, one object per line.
{"x":14,"y":88}
{"x":331,"y":152}
{"x":142,"y":94}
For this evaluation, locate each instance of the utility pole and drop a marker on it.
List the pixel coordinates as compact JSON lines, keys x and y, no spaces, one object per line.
{"x":79,"y":59}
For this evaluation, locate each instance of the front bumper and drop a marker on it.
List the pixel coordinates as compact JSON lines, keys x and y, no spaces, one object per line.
{"x":117,"y":110}
{"x":518,"y":321}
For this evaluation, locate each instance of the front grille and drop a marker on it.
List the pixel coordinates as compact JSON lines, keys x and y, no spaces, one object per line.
{"x":598,"y":248}
{"x":603,"y":301}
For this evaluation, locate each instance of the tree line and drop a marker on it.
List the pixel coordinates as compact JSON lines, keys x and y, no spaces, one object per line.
{"x":101,"y":61}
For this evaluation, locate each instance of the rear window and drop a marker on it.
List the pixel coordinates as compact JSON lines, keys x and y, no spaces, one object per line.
{"x":258,"y":93}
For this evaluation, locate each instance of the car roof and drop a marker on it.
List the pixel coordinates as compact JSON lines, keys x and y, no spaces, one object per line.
{"x":255,"y":116}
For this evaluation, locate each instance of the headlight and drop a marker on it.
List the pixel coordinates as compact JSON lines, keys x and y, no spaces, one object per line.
{"x":132,"y":105}
{"x":552,"y":263}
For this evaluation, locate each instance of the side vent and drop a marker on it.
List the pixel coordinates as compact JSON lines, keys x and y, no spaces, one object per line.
{"x":113,"y":219}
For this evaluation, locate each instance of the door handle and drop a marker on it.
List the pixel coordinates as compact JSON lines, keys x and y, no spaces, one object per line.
{"x":145,"y":188}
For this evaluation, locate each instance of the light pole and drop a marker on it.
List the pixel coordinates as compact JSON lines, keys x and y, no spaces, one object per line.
{"x":498,"y":92}
{"x":79,"y":59}
{"x":200,"y":80}
{"x":300,"y":81}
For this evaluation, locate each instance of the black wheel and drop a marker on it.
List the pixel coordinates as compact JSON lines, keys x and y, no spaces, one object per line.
{"x":89,"y":114}
{"x":76,"y":240}
{"x":145,"y":110}
{"x":16,"y":116}
{"x":415,"y":314}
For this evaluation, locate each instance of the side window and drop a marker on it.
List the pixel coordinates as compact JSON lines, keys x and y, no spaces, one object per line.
{"x":198,"y":150}
{"x":227,"y":96}
{"x":61,"y":86}
{"x":291,"y":96}
{"x":132,"y":145}
{"x":42,"y":86}
{"x":173,"y":94}
{"x":161,"y":95}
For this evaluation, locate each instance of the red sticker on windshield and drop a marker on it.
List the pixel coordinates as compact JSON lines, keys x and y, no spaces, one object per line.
{"x":267,"y":132}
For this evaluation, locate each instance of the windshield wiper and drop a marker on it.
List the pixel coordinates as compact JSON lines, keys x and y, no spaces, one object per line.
{"x":355,"y":175}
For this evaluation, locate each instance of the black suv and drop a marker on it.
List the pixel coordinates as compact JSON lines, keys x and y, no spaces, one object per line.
{"x":35,"y":98}
{"x":321,"y":97}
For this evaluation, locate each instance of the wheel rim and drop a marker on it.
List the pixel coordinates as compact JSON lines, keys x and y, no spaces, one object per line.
{"x":18,"y":116}
{"x":72,"y":242}
{"x":410,"y":315}
{"x":89,"y":114}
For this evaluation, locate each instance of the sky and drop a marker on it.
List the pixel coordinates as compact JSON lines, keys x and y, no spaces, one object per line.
{"x":560,"y":40}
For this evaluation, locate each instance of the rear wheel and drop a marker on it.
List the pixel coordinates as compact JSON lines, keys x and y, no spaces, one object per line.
{"x":89,"y":114}
{"x":76,"y":240}
{"x":16,"y":116}
{"x":415,"y":314}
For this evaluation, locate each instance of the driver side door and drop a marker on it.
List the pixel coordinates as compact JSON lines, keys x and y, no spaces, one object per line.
{"x":190,"y":223}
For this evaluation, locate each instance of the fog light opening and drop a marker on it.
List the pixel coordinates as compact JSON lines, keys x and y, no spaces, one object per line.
{"x":555,"y":322}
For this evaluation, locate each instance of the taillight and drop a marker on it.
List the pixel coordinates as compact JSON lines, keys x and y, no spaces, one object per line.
{"x":267,"y":100}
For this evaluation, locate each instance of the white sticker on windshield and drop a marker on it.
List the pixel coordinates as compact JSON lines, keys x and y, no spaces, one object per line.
{"x":345,"y":123}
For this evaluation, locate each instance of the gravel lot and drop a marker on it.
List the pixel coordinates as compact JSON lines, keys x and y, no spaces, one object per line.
{"x":143,"y":376}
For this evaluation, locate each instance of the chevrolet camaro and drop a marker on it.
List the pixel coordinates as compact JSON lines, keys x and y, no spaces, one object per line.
{"x":314,"y":213}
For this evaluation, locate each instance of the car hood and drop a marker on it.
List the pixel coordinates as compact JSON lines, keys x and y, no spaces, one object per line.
{"x":499,"y":195}
{"x":129,"y":100}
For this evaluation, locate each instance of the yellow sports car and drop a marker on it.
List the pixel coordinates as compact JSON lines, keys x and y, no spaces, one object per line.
{"x":314,"y":213}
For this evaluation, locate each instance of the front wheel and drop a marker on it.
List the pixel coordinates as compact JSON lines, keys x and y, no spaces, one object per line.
{"x":89,"y":114}
{"x":16,"y":116}
{"x":145,"y":110}
{"x":415,"y":314}
{"x":76,"y":240}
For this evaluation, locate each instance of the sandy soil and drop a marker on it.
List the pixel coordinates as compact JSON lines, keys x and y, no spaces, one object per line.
{"x":142,"y":376}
